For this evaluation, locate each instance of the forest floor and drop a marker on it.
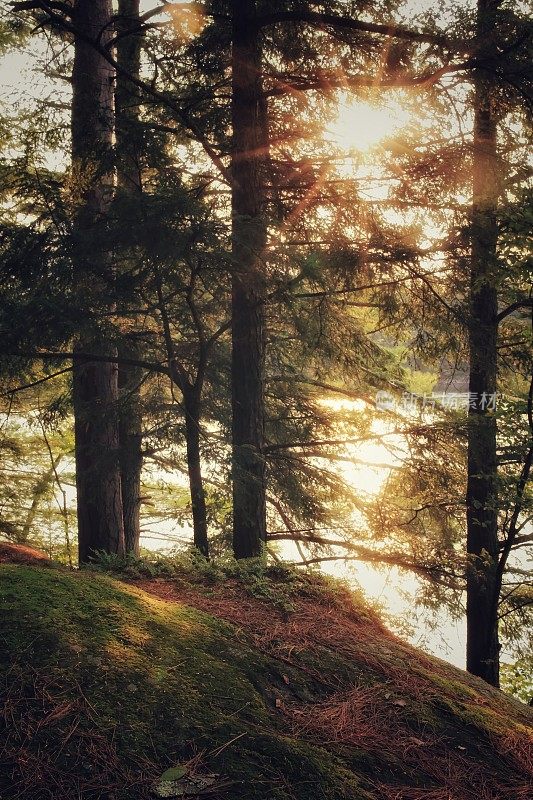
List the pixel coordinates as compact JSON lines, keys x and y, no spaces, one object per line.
{"x":21,"y":554}
{"x":243,"y":683}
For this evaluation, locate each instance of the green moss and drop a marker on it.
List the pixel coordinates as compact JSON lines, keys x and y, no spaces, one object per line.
{"x":163,"y":674}
{"x":106,"y":686}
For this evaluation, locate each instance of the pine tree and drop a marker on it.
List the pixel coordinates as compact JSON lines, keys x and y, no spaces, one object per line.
{"x":249,"y":236}
{"x":95,"y":383}
{"x":482,"y":657}
{"x":129,"y":186}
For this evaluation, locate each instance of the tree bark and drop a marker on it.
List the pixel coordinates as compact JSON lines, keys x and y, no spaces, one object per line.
{"x":194,"y":468}
{"x":95,"y":384}
{"x":129,"y":185}
{"x":191,"y":391}
{"x":128,"y":98}
{"x":482,"y":654}
{"x":249,"y":150}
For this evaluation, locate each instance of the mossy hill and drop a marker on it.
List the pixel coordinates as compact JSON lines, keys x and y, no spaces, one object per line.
{"x":269,"y":686}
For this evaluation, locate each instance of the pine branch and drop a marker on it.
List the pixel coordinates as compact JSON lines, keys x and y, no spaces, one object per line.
{"x":527,"y":302}
{"x":43,"y":5}
{"x":366,"y":554}
{"x":98,"y":358}
{"x":525,"y":474}
{"x":334,"y":81}
{"x":23,"y":388}
{"x":328,"y":387}
{"x":347,"y":23}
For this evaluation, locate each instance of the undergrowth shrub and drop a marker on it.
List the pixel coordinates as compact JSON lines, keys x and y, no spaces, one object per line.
{"x":278,"y":583}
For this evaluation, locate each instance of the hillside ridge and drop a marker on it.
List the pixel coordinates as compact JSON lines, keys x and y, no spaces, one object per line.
{"x":259,"y":685}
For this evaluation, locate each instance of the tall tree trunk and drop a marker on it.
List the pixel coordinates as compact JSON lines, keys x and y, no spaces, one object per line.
{"x":128,"y":98}
{"x":95,"y":385}
{"x":129,"y":185}
{"x":194,"y":468}
{"x":248,"y":285}
{"x":482,"y":513}
{"x":192,"y":402}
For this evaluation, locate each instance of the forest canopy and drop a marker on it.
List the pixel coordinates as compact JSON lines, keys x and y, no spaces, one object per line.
{"x":266,"y":293}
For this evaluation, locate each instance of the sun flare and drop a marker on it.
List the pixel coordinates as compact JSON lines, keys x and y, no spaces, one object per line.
{"x":361,"y":125}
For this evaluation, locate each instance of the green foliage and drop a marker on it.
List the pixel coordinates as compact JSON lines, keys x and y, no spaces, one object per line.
{"x":37,"y":476}
{"x":278,"y":584}
{"x":516,"y":679}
